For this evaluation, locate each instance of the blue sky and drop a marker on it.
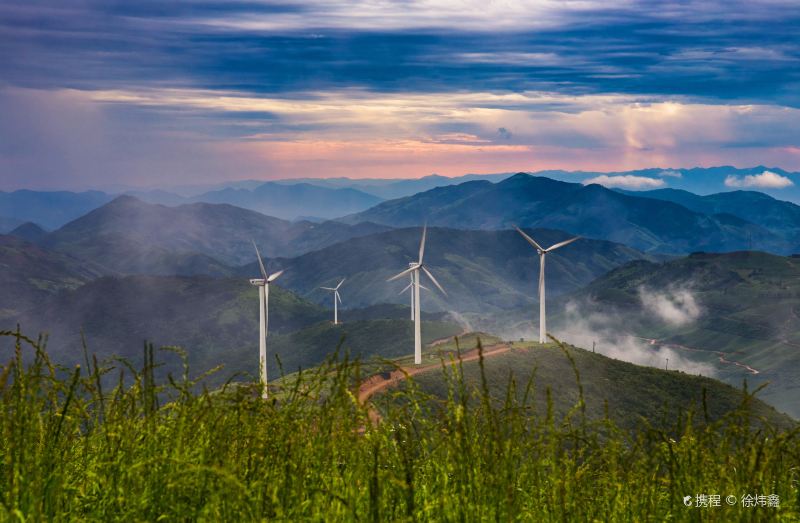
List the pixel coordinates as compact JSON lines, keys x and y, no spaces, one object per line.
{"x":150,"y":92}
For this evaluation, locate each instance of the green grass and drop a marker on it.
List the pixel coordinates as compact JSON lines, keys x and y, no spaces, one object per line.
{"x":73,"y":449}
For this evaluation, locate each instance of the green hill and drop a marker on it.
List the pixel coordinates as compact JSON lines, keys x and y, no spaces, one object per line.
{"x":628,"y":393}
{"x":745,"y":312}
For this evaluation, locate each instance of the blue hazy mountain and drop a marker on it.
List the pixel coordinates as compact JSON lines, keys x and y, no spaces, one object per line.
{"x":700,"y":180}
{"x":51,"y":209}
{"x":30,"y":232}
{"x":753,"y":206}
{"x":288,"y":201}
{"x":9,"y":224}
{"x":390,"y":188}
{"x":593,"y":211}
{"x":128,"y":235}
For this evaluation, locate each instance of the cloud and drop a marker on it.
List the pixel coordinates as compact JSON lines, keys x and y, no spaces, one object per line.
{"x":676,"y":306}
{"x":765,"y":180}
{"x":584,"y":326}
{"x":626,"y":181}
{"x":672,"y":173}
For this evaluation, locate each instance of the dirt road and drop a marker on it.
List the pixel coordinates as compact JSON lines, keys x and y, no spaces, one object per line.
{"x":382,"y":381}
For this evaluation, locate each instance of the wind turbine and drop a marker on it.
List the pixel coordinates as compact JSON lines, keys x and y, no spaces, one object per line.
{"x":409,"y":286}
{"x":263,"y":307}
{"x":414,"y":270}
{"x":336,"y":298}
{"x":542,"y":252}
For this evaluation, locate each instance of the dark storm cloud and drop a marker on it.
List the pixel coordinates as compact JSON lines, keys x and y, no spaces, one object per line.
{"x":711,"y":50}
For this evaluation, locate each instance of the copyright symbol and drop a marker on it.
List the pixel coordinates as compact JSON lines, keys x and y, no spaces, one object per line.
{"x":730,"y":500}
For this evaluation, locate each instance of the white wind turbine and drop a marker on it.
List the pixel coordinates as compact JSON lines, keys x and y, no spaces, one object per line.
{"x":409,"y":286}
{"x":542,"y":252}
{"x":263,"y":306}
{"x":414,"y":270}
{"x":336,"y":298}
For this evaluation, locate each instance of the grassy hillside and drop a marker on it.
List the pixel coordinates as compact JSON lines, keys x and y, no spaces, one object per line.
{"x":592,"y":211}
{"x":627,"y":393}
{"x":747,"y":308}
{"x":363,"y":339}
{"x":485,"y":271}
{"x":157,"y":451}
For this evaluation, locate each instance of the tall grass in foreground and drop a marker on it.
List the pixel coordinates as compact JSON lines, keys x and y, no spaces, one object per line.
{"x":72,"y":448}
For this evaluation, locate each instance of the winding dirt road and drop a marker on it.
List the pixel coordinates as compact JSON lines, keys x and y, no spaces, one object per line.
{"x":379,"y":382}
{"x":720,"y":354}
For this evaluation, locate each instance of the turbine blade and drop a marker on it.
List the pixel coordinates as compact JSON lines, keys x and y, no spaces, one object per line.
{"x":407,"y":287}
{"x":422,"y":243}
{"x":561,"y":244}
{"x":410,"y":269}
{"x":529,"y":239}
{"x":424,"y":287}
{"x":274,"y":276}
{"x":340,"y":283}
{"x":434,"y":280}
{"x":336,"y":294}
{"x":260,"y":263}
{"x":328,"y":288}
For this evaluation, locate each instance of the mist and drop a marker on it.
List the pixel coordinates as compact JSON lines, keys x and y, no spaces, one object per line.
{"x":585,"y":325}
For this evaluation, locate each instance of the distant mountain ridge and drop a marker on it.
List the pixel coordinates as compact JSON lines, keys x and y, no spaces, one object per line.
{"x":52,"y":209}
{"x":288,"y":201}
{"x":590,"y":210}
{"x":753,"y":206}
{"x":130,"y":236}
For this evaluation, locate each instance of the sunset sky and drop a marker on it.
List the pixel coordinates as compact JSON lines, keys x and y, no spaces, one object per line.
{"x":154,"y":93}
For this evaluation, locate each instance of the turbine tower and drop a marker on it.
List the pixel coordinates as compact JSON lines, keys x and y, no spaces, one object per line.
{"x":263,"y":307}
{"x":336,"y":298}
{"x":410,"y":286}
{"x":542,"y":253}
{"x":414,"y":269}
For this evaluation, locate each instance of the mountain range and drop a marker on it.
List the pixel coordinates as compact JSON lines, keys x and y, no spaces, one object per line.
{"x":50,"y":209}
{"x":130,"y":236}
{"x":295,"y":200}
{"x":53,"y":209}
{"x":593,"y":211}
